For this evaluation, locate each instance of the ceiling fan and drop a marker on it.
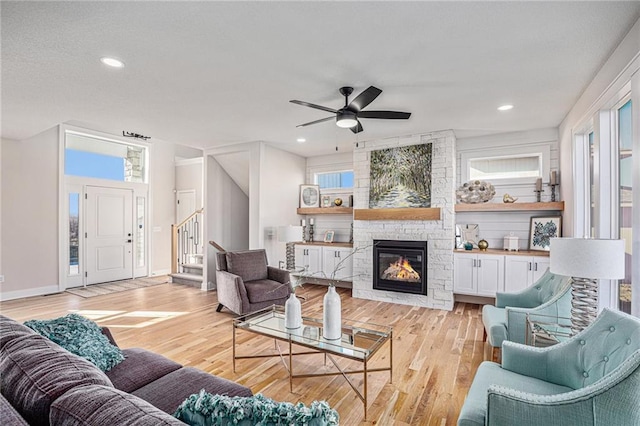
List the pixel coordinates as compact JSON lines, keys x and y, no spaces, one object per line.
{"x":349,"y":115}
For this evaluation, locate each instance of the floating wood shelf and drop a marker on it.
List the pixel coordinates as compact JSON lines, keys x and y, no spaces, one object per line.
{"x":325,"y":210}
{"x":506,"y":207}
{"x":432,"y":213}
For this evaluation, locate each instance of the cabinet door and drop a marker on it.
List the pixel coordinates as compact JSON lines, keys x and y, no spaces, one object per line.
{"x":343,"y":264}
{"x":490,"y":272}
{"x":301,"y":258}
{"x":314,"y":255}
{"x":464,"y":273}
{"x":517,"y":273}
{"x":540,"y":265}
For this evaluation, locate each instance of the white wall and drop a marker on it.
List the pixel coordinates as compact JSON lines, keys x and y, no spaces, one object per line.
{"x":30,"y":215}
{"x":494,"y":226}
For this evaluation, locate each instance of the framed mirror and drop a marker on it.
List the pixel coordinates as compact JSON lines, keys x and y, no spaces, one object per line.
{"x":467,"y":232}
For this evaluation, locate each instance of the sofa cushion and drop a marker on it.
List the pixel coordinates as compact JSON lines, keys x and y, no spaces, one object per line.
{"x":495,"y":323}
{"x":139,"y":368}
{"x":249,"y":265}
{"x":100,"y":405}
{"x":168,"y":392}
{"x":9,"y":415}
{"x":36,"y":371}
{"x":266,"y":290}
{"x":204,"y":409}
{"x":489,"y":373}
{"x":10,"y":329}
{"x":82,"y":337}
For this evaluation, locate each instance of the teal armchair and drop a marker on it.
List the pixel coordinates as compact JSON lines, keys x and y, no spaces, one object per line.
{"x":593,"y":378}
{"x":549,"y":296}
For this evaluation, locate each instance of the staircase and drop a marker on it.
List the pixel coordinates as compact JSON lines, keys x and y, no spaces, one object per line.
{"x":187,"y":250}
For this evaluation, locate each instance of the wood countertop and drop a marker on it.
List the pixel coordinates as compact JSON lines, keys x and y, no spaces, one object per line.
{"x":504,"y":252}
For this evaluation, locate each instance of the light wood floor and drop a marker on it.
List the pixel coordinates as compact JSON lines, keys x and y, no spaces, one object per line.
{"x":436,"y":353}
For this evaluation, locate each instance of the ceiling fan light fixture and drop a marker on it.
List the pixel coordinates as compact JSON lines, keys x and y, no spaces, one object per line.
{"x":346,"y":119}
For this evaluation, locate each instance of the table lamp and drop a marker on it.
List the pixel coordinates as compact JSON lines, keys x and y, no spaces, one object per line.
{"x":586,"y":260}
{"x":290,"y":234}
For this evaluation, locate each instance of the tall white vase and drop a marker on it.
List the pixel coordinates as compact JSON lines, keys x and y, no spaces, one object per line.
{"x":292,"y":312}
{"x":332,"y":315}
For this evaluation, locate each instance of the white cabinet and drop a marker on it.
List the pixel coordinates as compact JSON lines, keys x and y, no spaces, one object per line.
{"x":521,"y":272}
{"x":309,"y":258}
{"x":337,"y":261}
{"x":478,"y":274}
{"x":322,"y":261}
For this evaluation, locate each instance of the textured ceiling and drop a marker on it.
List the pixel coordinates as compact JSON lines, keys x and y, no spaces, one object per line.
{"x":207,"y":74}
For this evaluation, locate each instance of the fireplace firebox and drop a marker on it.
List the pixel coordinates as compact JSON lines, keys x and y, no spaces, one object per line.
{"x":400,"y":266}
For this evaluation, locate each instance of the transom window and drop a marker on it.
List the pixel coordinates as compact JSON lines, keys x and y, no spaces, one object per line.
{"x":335,"y":180}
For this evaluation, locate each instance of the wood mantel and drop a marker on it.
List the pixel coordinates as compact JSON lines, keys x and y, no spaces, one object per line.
{"x":501,"y":207}
{"x":432,"y":213}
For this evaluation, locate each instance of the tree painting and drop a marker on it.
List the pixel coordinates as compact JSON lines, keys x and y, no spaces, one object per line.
{"x":401,"y":177}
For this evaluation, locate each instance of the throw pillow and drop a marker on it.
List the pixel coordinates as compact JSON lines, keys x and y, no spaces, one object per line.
{"x":81,"y":337}
{"x":250,"y":265}
{"x":205,"y":409}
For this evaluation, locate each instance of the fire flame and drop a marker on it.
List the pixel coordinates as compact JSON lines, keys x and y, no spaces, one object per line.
{"x":401,"y":270}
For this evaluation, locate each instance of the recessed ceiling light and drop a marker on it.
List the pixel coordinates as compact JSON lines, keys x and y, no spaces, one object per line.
{"x":301,"y":140}
{"x":505,"y":107}
{"x":112,"y":62}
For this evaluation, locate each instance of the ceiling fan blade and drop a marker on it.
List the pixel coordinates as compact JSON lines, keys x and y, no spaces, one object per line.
{"x":393,"y":115}
{"x":307,"y":104}
{"x":364,"y":99}
{"x":357,"y":129}
{"x":316,"y":122}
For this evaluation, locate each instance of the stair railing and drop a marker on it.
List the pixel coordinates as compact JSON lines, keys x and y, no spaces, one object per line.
{"x":217,"y":246}
{"x":186,"y":239}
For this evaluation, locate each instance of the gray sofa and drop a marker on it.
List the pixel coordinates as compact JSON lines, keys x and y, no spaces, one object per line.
{"x":41,"y":383}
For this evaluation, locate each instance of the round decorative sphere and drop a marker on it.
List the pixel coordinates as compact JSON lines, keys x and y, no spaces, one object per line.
{"x":483,"y":245}
{"x":337,"y":201}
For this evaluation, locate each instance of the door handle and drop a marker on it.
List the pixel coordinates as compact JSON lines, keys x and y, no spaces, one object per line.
{"x":535,"y":266}
{"x":529,"y":265}
{"x":479,"y":263}
{"x":474,"y":263}
{"x":128,"y":241}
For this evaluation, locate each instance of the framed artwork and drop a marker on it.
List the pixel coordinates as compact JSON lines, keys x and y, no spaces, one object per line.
{"x":328,"y":236}
{"x":326,"y":201}
{"x":309,"y":196}
{"x":541,"y":231}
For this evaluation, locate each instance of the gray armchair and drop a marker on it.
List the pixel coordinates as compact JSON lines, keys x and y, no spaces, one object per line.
{"x":246,"y":283}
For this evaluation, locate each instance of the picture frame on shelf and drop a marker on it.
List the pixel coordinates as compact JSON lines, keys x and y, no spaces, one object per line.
{"x":326,"y":201}
{"x":542,"y":229}
{"x":309,"y":196}
{"x":328,"y":236}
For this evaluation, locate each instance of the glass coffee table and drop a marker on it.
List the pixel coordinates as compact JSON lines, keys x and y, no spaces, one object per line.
{"x":359,"y":342}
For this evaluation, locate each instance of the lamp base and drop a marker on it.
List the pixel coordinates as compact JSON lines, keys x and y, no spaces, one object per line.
{"x":291,"y":255}
{"x":584,"y":303}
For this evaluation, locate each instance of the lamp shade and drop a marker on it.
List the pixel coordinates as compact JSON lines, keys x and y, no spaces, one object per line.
{"x":290,"y":233}
{"x":587,"y":258}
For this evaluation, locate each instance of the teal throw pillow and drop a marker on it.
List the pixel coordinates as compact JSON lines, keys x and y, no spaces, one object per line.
{"x":81,"y":337}
{"x":205,"y":409}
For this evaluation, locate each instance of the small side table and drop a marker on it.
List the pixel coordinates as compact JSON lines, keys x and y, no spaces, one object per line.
{"x":543,"y":330}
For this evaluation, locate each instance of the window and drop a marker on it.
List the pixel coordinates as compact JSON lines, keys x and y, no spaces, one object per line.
{"x":74,"y":235}
{"x":514,"y":164}
{"x":625,"y":194}
{"x":335,"y":180}
{"x":505,"y":167}
{"x":592,"y":188}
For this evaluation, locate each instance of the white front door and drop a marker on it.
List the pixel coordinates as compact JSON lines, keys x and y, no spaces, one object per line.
{"x":109,"y":234}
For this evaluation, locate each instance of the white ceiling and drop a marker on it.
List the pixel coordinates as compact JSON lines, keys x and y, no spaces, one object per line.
{"x":207,"y":74}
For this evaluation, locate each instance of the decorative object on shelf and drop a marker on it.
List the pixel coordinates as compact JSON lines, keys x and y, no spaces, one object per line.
{"x":553,"y":182}
{"x":542,"y":229}
{"x":400,"y":177}
{"x":328,"y":236}
{"x":310,"y":230}
{"x":467,"y":233}
{"x":468,"y":246}
{"x":538,"y":189}
{"x":292,"y":312}
{"x":326,"y":201}
{"x":586,"y":260}
{"x":483,"y":245}
{"x":506,"y":198}
{"x":337,"y":202}
{"x":511,"y":242}
{"x":309,"y":196}
{"x":475,"y":191}
{"x":290,"y":234}
{"x":332,"y":315}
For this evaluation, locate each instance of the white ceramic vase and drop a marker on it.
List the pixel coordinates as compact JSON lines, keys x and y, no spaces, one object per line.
{"x":292,"y":312}
{"x":332,"y":315}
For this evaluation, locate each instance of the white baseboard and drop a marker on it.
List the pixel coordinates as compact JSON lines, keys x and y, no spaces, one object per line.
{"x":160,"y":272}
{"x":30,"y":292}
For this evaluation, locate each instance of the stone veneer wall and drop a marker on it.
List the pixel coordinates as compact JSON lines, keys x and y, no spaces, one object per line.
{"x":438,"y":233}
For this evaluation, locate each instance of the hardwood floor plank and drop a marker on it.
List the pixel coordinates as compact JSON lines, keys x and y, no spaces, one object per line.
{"x":436,"y":353}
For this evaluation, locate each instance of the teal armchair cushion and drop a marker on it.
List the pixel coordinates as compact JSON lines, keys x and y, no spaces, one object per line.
{"x":593,"y":378}
{"x":549,"y":296}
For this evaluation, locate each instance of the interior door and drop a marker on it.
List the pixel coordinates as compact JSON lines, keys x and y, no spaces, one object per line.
{"x":186,"y":204}
{"x":109,"y":234}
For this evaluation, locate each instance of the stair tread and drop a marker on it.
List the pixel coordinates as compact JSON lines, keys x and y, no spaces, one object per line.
{"x":186,"y":276}
{"x":192,"y":265}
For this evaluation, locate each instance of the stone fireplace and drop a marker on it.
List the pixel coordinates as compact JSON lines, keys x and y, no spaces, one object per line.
{"x":437,"y":235}
{"x":400,"y":266}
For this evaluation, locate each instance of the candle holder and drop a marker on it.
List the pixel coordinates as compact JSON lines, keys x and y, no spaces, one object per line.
{"x":553,"y":192}
{"x":538,"y":192}
{"x":304,"y":233}
{"x":311,"y":233}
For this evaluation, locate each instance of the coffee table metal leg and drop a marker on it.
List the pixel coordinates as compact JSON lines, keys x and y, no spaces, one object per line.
{"x":234,"y":349}
{"x":290,"y":367}
{"x":391,"y":357}
{"x":365,"y":389}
